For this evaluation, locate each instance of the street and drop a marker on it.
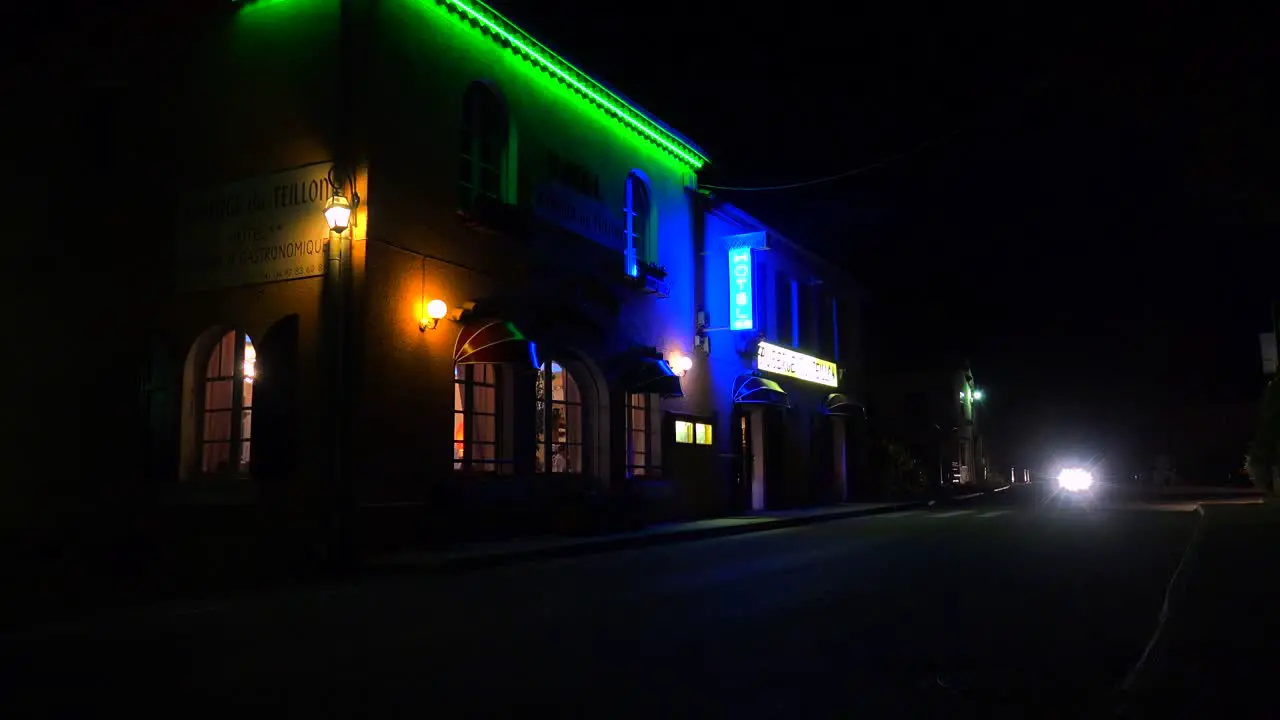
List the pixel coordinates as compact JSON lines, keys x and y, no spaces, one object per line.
{"x":1006,"y":605}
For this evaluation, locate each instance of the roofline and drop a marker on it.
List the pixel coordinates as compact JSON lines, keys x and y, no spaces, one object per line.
{"x":508,"y":34}
{"x":746,"y":219}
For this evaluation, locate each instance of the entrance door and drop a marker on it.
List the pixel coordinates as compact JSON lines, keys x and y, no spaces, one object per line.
{"x":759,"y":458}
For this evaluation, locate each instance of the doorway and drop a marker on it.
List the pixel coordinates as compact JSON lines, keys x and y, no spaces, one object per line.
{"x":839,"y":458}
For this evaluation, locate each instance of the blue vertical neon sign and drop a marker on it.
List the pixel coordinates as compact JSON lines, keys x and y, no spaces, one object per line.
{"x":742,"y":313}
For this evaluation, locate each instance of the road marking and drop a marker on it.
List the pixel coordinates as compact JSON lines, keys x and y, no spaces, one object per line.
{"x":952,"y":513}
{"x":1166,"y":605}
{"x":994,"y":513}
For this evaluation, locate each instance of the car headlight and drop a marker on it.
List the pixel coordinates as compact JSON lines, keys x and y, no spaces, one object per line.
{"x":1075,"y":479}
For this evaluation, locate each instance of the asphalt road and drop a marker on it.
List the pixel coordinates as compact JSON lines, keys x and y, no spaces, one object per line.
{"x":1008,"y":606}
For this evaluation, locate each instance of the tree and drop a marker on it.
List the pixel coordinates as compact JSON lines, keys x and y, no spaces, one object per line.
{"x":897,"y":473}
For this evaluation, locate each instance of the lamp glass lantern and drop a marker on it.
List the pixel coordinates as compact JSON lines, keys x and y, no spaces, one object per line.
{"x":337,"y":212}
{"x":435,"y":312}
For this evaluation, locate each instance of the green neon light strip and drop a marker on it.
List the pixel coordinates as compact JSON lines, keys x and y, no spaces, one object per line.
{"x":524,"y":44}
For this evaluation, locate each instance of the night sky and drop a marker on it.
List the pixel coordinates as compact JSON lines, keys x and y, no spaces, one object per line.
{"x":1084,"y":207}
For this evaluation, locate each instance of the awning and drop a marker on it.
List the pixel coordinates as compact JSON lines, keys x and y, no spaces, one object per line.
{"x":494,"y":341}
{"x":838,"y":404}
{"x":652,"y":375}
{"x":752,"y":390}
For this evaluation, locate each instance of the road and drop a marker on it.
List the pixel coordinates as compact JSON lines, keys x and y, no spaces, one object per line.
{"x":1008,"y":606}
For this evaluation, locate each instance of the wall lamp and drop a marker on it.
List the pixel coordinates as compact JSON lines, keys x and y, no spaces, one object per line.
{"x":338,"y":209}
{"x":681,"y":363}
{"x":436,"y":309}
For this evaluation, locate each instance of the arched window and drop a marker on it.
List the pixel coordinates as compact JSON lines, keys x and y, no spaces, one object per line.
{"x":638,"y":215}
{"x":226,"y":406}
{"x":478,"y":443}
{"x":482,"y":146}
{"x":559,"y":421}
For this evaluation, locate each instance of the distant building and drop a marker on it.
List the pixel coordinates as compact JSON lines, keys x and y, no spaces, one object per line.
{"x":937,"y":413}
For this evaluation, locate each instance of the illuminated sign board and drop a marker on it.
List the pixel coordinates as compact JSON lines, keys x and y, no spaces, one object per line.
{"x":742,"y":313}
{"x":781,"y":361}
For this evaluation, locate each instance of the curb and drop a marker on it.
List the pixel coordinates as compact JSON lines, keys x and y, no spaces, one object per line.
{"x":629,"y":542}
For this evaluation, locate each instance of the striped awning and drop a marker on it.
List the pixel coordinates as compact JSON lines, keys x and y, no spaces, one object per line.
{"x":496,"y":342}
{"x":752,"y":390}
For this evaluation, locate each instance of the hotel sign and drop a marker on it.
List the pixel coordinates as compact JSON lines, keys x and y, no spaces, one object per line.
{"x":259,"y":230}
{"x":771,"y":358}
{"x":742,"y":312}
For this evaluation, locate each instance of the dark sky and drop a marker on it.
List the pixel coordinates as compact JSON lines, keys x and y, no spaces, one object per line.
{"x":1087,"y":208}
{"x":1084,"y":206}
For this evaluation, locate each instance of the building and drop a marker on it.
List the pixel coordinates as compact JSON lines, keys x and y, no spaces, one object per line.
{"x":427,"y":277}
{"x":936,"y":413}
{"x":780,"y":329}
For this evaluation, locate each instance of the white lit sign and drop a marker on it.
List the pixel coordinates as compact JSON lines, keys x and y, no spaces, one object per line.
{"x":780,"y":361}
{"x":741,"y":306}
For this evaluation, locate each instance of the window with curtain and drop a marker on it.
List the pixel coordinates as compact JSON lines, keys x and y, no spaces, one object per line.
{"x":559,"y":421}
{"x":638,"y":212}
{"x":477,"y":420}
{"x":226,"y":406}
{"x":482,"y":146}
{"x":638,"y":451}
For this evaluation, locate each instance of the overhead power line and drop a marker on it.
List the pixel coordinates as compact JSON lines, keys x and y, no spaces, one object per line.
{"x":848,"y":173}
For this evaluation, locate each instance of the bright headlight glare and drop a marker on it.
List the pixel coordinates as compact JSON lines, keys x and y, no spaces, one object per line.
{"x":1075,"y":479}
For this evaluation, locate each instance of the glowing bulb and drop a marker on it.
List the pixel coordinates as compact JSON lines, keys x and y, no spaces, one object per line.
{"x":337,"y":213}
{"x":684,"y":363}
{"x":250,"y":361}
{"x":437,"y":309}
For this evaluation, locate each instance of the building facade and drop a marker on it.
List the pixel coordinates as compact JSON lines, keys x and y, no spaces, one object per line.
{"x":937,"y":414}
{"x":427,"y":277}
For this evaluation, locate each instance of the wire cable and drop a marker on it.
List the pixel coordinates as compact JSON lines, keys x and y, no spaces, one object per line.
{"x":840,"y":176}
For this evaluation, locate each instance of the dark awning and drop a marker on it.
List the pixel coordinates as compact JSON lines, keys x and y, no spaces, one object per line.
{"x":838,"y":404}
{"x":493,"y":341}
{"x":752,"y":390}
{"x":652,"y":375}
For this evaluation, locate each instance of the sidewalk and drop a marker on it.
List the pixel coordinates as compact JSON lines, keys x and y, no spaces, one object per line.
{"x":1220,"y":646}
{"x":479,"y":555}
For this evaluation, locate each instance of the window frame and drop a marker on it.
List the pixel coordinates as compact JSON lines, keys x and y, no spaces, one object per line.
{"x":239,"y":462}
{"x":482,"y":105}
{"x":644,"y":250}
{"x":545,"y":404}
{"x":467,"y":463}
{"x":646,"y":468}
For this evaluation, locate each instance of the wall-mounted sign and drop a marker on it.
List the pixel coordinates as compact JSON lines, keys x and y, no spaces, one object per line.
{"x":580,"y":214}
{"x":771,"y":358}
{"x":742,"y":312}
{"x":259,"y":230}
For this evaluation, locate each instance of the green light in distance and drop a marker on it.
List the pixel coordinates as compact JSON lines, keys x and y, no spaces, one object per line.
{"x":524,"y":44}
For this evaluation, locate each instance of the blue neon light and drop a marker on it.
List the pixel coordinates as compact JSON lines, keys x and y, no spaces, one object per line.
{"x":742,"y":309}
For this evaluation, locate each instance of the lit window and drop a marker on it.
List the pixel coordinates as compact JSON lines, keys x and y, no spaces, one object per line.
{"x":702,"y":434}
{"x":476,"y":419}
{"x":559,"y":421}
{"x":637,"y":434}
{"x":482,"y":146}
{"x":226,"y":406}
{"x":690,"y":433}
{"x":638,"y":215}
{"x":684,"y":432}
